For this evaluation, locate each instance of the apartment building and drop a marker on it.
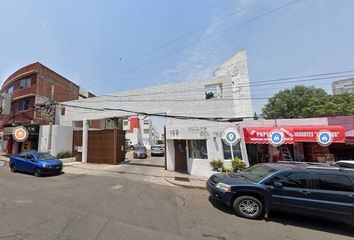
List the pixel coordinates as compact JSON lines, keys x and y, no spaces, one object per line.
{"x":27,"y":88}
{"x":343,"y":86}
{"x":139,"y":131}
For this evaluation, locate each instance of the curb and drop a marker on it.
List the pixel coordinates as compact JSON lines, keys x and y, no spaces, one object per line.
{"x":183,"y":185}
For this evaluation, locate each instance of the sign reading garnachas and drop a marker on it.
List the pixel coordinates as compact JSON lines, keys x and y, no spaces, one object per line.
{"x":294,"y":134}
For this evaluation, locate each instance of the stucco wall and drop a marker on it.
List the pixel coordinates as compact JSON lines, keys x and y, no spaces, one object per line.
{"x":184,"y":98}
{"x":62,"y":139}
{"x":170,"y":155}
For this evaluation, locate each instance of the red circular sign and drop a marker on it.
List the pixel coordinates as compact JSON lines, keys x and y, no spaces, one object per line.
{"x":20,"y":134}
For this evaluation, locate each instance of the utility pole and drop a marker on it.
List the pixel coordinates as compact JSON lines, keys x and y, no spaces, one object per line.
{"x":51,"y":117}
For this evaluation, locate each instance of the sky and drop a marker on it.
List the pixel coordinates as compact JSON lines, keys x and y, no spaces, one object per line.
{"x":98,"y":43}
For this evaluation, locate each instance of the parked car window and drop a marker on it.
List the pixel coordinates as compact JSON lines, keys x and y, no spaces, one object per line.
{"x":21,"y":155}
{"x":257,"y":172}
{"x":29,"y":156}
{"x":343,"y":165}
{"x":141,"y":149}
{"x":45,"y":156}
{"x":334,"y":182}
{"x":290,"y":179}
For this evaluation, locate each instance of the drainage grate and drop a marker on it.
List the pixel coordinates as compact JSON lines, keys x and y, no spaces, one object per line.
{"x":182,"y":179}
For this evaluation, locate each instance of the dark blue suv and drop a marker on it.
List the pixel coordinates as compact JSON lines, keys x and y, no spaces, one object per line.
{"x":322,"y":191}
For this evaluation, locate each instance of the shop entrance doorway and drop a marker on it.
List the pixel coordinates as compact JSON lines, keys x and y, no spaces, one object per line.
{"x":180,"y":155}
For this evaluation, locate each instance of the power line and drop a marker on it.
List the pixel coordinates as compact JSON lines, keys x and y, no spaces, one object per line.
{"x":181,"y":117}
{"x":201,"y":40}
{"x":176,"y":39}
{"x":230,"y":86}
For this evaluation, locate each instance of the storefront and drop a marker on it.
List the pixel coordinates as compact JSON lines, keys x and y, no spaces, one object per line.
{"x":298,"y":143}
{"x":13,"y":147}
{"x":191,"y":146}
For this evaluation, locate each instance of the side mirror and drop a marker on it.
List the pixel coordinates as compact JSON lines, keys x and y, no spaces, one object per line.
{"x":278,"y":185}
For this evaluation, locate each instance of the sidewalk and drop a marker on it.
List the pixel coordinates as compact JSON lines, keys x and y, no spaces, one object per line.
{"x":131,"y":168}
{"x":185,"y":180}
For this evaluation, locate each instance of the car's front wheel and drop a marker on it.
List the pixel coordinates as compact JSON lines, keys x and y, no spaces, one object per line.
{"x":13,"y":168}
{"x":37,"y":172}
{"x":248,"y":207}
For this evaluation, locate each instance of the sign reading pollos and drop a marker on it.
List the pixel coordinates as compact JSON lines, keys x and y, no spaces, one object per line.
{"x":324,"y":138}
{"x":276,"y":138}
{"x":231,"y":136}
{"x":20,"y":134}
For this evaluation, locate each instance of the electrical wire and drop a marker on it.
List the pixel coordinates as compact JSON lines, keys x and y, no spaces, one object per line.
{"x":175,"y":40}
{"x":201,"y":40}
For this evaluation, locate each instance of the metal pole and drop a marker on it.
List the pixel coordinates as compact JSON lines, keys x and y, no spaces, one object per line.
{"x":51,"y":119}
{"x":232,"y":152}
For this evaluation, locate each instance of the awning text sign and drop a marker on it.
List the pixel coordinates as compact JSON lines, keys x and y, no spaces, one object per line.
{"x":296,"y":134}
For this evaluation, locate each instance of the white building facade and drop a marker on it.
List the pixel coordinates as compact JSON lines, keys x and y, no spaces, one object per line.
{"x":139,"y":131}
{"x":226,"y":95}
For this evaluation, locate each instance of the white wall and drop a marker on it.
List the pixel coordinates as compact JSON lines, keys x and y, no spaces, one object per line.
{"x":170,"y":155}
{"x":235,"y":100}
{"x":62,"y":139}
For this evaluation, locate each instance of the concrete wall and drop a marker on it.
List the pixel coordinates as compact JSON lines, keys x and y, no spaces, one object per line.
{"x":212,"y":132}
{"x":62,"y":139}
{"x":184,"y":98}
{"x":170,"y":155}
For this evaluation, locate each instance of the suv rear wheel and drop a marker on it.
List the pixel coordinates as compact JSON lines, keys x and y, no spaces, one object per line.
{"x":248,"y":207}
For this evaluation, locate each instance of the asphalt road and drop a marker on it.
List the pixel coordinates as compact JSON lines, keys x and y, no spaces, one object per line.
{"x":85,"y":206}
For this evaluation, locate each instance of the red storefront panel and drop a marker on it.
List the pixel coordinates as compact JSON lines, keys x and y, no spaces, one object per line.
{"x":293,"y":134}
{"x":134,"y":123}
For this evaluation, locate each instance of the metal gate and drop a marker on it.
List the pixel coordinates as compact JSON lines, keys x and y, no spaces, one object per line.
{"x":104,"y":146}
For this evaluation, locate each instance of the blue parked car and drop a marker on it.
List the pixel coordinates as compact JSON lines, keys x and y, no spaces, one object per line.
{"x":37,"y":163}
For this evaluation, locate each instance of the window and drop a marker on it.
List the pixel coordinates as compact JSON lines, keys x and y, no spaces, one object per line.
{"x":125,"y":123}
{"x":10,"y":89}
{"x":146,"y":131}
{"x":197,"y":149}
{"x":334,"y":182}
{"x":258,"y":172}
{"x":213,"y":91}
{"x":25,"y":83}
{"x":23,"y":105}
{"x":290,"y":179}
{"x":227,"y":150}
{"x":146,"y":122}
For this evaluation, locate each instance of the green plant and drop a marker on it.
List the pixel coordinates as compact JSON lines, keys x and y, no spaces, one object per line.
{"x":159,"y":142}
{"x":66,"y":154}
{"x":238,"y":164}
{"x":227,"y":169}
{"x":217,"y":165}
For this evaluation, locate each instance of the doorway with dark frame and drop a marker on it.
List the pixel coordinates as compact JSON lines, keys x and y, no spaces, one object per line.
{"x":180,"y":156}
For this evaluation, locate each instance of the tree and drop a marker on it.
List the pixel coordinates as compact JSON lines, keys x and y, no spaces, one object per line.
{"x":303,"y":102}
{"x":297,"y":102}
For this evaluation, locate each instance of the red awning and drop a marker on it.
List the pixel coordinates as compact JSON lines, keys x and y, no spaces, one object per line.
{"x":293,"y":134}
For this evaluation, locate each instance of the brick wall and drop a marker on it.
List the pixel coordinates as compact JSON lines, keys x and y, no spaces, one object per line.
{"x":64,"y":90}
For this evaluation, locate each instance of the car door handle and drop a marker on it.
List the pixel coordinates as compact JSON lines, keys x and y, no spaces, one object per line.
{"x":304,"y":192}
{"x":351,"y":195}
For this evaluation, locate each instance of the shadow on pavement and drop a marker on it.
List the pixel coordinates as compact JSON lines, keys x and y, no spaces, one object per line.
{"x":145,"y":165}
{"x":317,"y":224}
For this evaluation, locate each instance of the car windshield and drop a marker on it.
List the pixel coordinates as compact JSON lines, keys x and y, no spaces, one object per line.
{"x":258,"y":172}
{"x":140,"y":148}
{"x":45,"y":156}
